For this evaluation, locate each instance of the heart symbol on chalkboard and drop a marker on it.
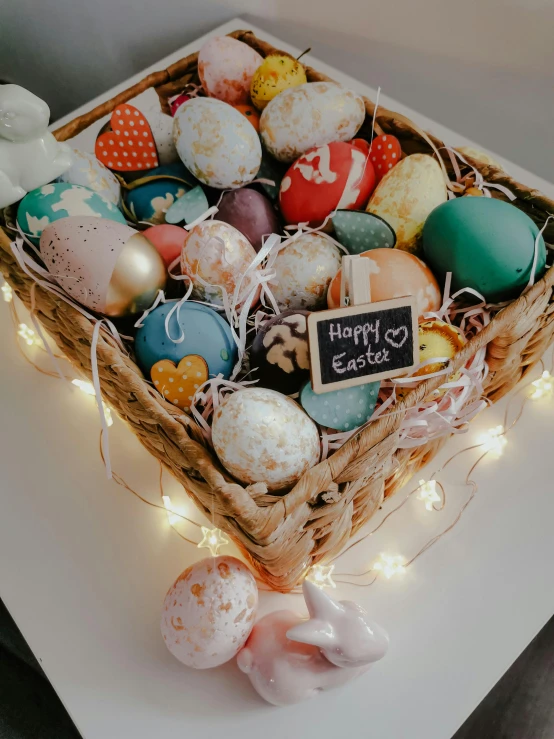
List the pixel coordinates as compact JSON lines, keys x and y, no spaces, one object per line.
{"x":391,"y":336}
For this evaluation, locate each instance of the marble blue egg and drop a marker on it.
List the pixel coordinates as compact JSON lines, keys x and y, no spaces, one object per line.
{"x":41,"y":207}
{"x":150,"y":197}
{"x":88,"y":171}
{"x":206,"y":334}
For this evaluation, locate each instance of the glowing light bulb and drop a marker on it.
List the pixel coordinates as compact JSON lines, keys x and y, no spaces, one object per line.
{"x":494,"y":440}
{"x":27,"y":334}
{"x":428,"y":493}
{"x":390,"y":565}
{"x":172,"y":516}
{"x":88,"y":389}
{"x":7,"y":292}
{"x":544,"y":386}
{"x":321,"y":575}
{"x":213,"y":539}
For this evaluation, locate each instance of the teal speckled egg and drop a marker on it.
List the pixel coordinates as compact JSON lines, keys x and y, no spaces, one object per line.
{"x":487,"y":244}
{"x":343,"y":410}
{"x":41,"y":207}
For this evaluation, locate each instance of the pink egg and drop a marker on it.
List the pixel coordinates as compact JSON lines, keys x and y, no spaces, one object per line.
{"x":216,"y":257}
{"x":209,"y":611}
{"x":226,"y":67}
{"x":167,"y":239}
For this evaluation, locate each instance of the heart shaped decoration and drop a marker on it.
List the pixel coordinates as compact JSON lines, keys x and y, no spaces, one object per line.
{"x":392,"y":333}
{"x":129,"y":146}
{"x":178,"y":383}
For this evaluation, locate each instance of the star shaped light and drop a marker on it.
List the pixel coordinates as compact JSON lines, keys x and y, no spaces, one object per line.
{"x":212,"y":539}
{"x":544,"y":386}
{"x":390,"y":564}
{"x":494,"y":440}
{"x":428,"y":493}
{"x":321,"y":575}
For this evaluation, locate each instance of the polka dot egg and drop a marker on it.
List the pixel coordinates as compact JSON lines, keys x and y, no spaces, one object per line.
{"x":359,"y":231}
{"x":343,"y":410}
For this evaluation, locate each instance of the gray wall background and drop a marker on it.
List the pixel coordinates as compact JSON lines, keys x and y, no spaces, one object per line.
{"x":484,"y":68}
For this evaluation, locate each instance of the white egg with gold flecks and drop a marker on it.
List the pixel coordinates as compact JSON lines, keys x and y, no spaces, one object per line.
{"x":161,"y":125}
{"x":303,"y":271}
{"x":209,"y":611}
{"x":261,"y":435}
{"x":86,"y":170}
{"x":217,"y":143}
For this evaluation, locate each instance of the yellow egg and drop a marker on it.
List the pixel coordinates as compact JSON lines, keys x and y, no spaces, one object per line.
{"x":277,"y":73}
{"x":438,"y":339}
{"x":406,"y":196}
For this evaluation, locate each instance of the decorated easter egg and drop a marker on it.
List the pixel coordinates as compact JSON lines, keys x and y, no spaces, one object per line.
{"x":41,"y":207}
{"x":336,"y":175}
{"x":226,"y":67}
{"x":303,"y":271}
{"x":149,"y":201}
{"x":86,"y":170}
{"x":209,"y":611}
{"x":217,"y":144}
{"x":276,"y":73}
{"x":167,"y":239}
{"x":342,"y":410}
{"x":395,"y":274}
{"x":188,"y":207}
{"x":280,"y":356}
{"x":260,"y":435}
{"x":250,"y":113}
{"x":176,"y":102}
{"x":251,"y":213}
{"x":487,"y":244}
{"x":360,"y":231}
{"x":437,"y":339}
{"x":310,"y":115}
{"x":385,"y":152}
{"x":406,"y":195}
{"x":216,"y":257}
{"x":205,"y":334}
{"x":161,"y":125}
{"x":103,"y":264}
{"x":178,"y":383}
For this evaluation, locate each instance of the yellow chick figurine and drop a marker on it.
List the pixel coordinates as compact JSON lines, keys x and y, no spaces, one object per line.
{"x":277,"y":73}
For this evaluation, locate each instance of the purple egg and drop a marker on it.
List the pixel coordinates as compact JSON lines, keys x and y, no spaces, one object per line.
{"x":251,"y":213}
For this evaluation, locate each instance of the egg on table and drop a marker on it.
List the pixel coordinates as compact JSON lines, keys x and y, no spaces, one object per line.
{"x":395,"y":274}
{"x":487,"y":244}
{"x":105,"y":265}
{"x":47,"y":204}
{"x":150,"y":197}
{"x":261,"y":435}
{"x":280,"y":355}
{"x":209,"y":611}
{"x":303,"y":270}
{"x":226,"y":67}
{"x":406,"y":196}
{"x":277,"y":72}
{"x":313,"y":114}
{"x":215,"y":257}
{"x":216,"y":142}
{"x":205,"y":332}
{"x":88,"y":171}
{"x":326,"y":178}
{"x":251,"y":213}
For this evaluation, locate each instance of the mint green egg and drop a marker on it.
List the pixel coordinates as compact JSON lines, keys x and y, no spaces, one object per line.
{"x":487,"y":244}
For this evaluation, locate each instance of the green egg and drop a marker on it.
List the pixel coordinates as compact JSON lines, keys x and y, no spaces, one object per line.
{"x":487,"y":244}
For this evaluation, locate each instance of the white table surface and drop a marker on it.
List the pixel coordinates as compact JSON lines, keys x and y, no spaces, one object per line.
{"x":84,"y":567}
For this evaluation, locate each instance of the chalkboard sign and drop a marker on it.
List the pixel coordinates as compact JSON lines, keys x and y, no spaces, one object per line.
{"x":351,"y":346}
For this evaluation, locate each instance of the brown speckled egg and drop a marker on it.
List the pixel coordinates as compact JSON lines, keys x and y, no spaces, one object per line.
{"x":209,"y":612}
{"x":260,"y":435}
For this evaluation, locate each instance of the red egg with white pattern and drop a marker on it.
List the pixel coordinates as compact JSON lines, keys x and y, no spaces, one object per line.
{"x":337,"y":175}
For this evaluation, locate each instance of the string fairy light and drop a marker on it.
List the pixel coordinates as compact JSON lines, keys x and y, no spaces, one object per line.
{"x":428,"y":494}
{"x":544,"y":386}
{"x":28,"y":335}
{"x":88,"y":389}
{"x":494,"y":440}
{"x":173,"y":516}
{"x":322,"y":576}
{"x":390,"y":565}
{"x":212,"y":539}
{"x":7,"y":292}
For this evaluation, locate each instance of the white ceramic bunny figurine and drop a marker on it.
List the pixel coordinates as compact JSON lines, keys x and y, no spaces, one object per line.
{"x":289,"y":659}
{"x":30,"y":156}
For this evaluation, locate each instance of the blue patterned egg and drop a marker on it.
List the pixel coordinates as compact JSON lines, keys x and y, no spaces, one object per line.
{"x":41,"y":207}
{"x":151,"y":196}
{"x":206,"y":333}
{"x":86,"y":170}
{"x":343,"y":410}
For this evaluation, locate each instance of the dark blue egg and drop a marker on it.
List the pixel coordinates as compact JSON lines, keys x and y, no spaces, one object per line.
{"x":154,"y":192}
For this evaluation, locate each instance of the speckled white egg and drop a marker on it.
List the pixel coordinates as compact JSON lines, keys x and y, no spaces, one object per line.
{"x":216,"y":256}
{"x":261,"y":435}
{"x":313,"y":114}
{"x":209,"y":612}
{"x":217,"y":143}
{"x":86,"y":170}
{"x":161,"y":125}
{"x":303,"y":271}
{"x":226,"y":67}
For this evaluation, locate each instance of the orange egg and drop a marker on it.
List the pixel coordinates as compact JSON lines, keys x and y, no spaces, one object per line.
{"x":250,"y":112}
{"x":395,"y":274}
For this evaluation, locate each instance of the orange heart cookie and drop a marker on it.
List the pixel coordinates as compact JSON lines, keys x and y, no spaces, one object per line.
{"x":130,"y":145}
{"x":178,"y":383}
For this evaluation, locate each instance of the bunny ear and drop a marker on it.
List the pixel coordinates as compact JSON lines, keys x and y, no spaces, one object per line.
{"x":317,"y":633}
{"x":320,"y":605}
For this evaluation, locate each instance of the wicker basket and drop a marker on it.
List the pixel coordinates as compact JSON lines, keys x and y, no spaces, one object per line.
{"x":285,"y":534}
